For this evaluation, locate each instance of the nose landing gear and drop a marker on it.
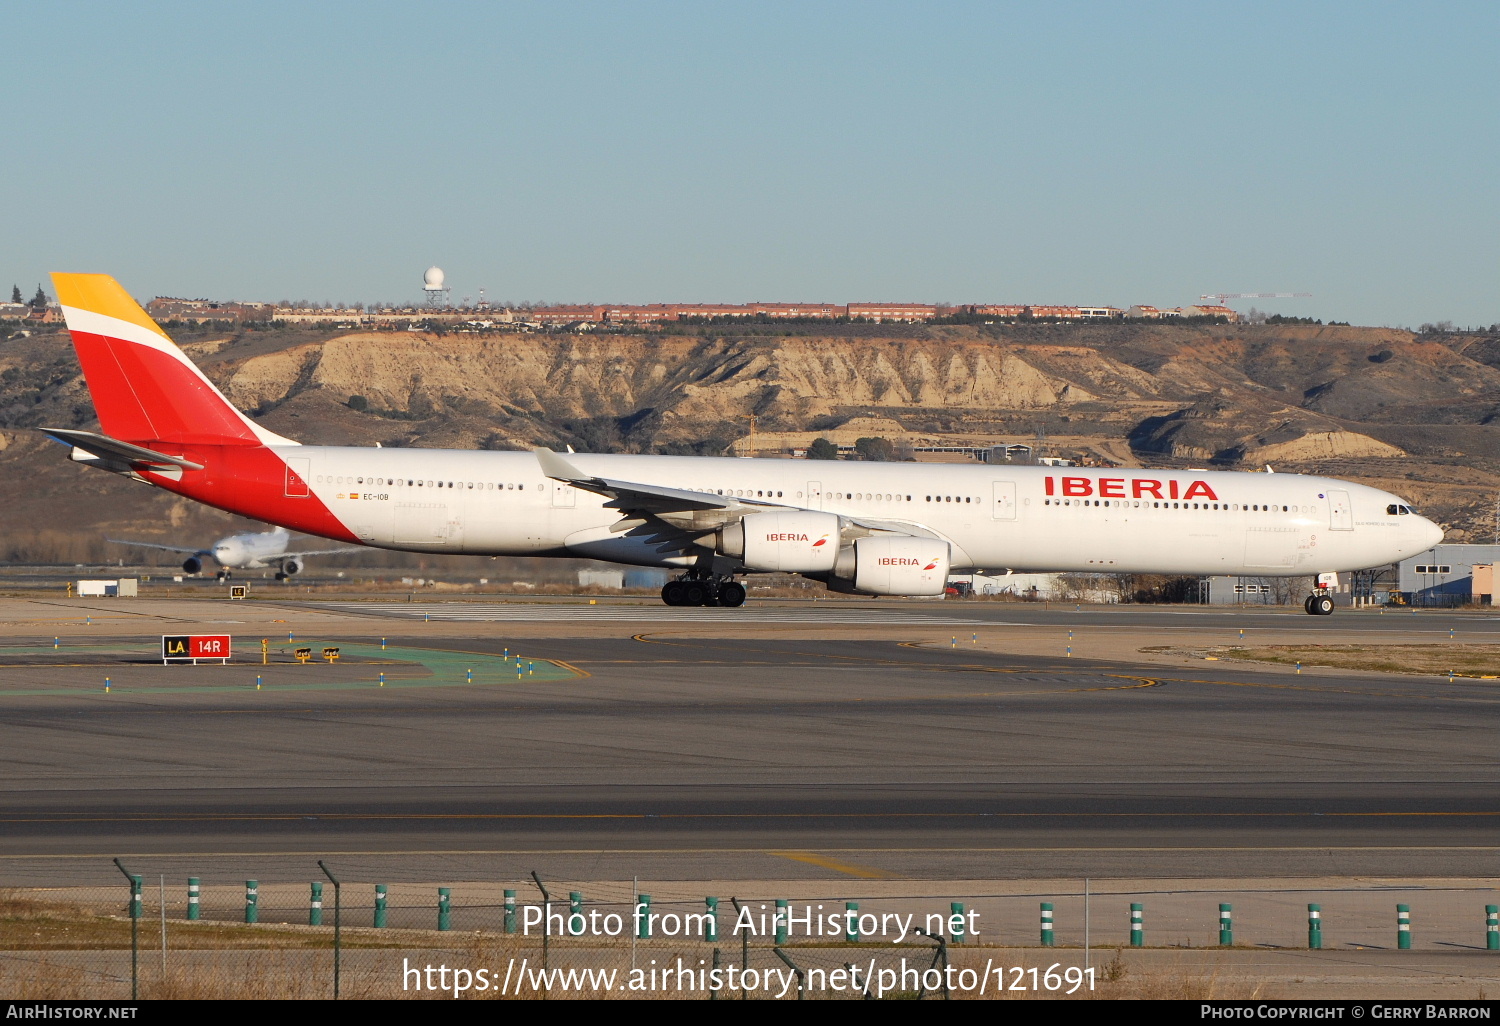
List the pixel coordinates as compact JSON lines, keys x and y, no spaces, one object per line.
{"x":700,"y":589}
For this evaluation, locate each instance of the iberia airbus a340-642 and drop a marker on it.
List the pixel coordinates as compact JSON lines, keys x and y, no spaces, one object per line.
{"x":870,"y":528}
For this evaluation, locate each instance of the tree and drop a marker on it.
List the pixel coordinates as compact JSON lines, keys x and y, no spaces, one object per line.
{"x":877,"y":449}
{"x":39,"y":301}
{"x":358,"y":403}
{"x":822,"y":449}
{"x":15,"y":294}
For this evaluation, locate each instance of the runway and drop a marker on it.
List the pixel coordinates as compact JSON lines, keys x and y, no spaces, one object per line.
{"x":949,"y":614}
{"x":643,"y":613}
{"x":691,"y":753}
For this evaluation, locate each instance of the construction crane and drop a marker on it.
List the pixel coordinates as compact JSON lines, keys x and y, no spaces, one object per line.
{"x":1221,"y":296}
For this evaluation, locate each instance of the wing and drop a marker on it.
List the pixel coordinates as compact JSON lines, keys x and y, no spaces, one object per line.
{"x":635,"y":499}
{"x":154,"y":545}
{"x":314,"y":552}
{"x":676,"y":517}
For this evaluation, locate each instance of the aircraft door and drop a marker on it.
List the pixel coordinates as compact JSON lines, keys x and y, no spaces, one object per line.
{"x":298,"y":473}
{"x":1340,"y":512}
{"x":815,"y":495}
{"x":564,"y":495}
{"x":1005,"y":500}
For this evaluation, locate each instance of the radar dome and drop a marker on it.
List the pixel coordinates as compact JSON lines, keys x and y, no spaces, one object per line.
{"x":433,"y":279}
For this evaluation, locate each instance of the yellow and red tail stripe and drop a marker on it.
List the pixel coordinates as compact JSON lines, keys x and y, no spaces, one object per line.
{"x":148,"y":393}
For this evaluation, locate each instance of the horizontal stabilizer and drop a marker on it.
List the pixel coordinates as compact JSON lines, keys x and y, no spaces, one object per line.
{"x":114,"y":450}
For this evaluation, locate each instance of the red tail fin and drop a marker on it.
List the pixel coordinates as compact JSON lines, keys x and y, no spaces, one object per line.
{"x":144,"y":388}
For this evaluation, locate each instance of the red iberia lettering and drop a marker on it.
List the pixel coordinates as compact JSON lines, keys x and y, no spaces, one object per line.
{"x":1048,"y":482}
{"x":895,"y":561}
{"x":1141,"y":488}
{"x":786,"y":537}
{"x":1112,"y":487}
{"x":1077,"y":486}
{"x":1198,"y":488}
{"x":1172,"y":489}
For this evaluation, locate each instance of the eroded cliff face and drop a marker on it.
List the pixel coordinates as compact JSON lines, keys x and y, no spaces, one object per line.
{"x":687,"y":379}
{"x":1184,"y":394}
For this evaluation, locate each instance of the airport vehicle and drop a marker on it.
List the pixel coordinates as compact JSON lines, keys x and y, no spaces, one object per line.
{"x":248,"y":550}
{"x":870,"y":528}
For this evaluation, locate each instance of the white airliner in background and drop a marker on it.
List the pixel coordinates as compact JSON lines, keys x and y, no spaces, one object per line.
{"x":249,"y":550}
{"x":869,"y":528}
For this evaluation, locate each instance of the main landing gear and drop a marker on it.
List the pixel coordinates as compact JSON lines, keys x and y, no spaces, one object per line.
{"x":1319,"y":604}
{"x":699,"y":589}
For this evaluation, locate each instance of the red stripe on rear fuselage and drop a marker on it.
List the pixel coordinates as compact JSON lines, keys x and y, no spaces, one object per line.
{"x":251,"y":480}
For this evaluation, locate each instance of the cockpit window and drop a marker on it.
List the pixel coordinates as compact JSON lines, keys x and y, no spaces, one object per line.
{"x":1392,"y":509}
{"x":1397,"y":510}
{"x":1403,"y":510}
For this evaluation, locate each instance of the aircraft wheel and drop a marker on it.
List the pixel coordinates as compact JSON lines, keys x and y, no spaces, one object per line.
{"x":280,"y":576}
{"x":694,"y":594}
{"x":1307,"y":606}
{"x":671,"y":593}
{"x":732,"y":593}
{"x":1321,"y":605}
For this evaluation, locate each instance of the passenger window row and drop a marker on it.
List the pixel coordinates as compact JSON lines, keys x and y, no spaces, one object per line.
{"x":1225,"y":507}
{"x":381,"y":482}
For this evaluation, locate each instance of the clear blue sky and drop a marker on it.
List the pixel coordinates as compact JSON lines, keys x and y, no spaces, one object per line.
{"x":645,"y":152}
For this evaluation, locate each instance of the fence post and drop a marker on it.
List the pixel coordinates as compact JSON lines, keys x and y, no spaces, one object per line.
{"x":1403,"y":926}
{"x":252,"y":901}
{"x":379,"y":905}
{"x":546,"y":926}
{"x":338,"y":924}
{"x":1492,"y":927}
{"x":576,"y":921}
{"x":643,"y":909}
{"x":510,"y":911}
{"x":135,"y":930}
{"x":444,"y":909}
{"x":1137,"y":926}
{"x":711,"y":925}
{"x":744,"y":947}
{"x":1226,"y":925}
{"x":713,"y":993}
{"x":1046,"y":924}
{"x":956,"y":921}
{"x":851,"y":922}
{"x":315,"y":905}
{"x":192,"y":909}
{"x":1314,"y":927}
{"x":782,"y":906}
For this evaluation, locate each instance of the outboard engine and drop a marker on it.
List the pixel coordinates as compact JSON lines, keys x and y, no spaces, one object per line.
{"x":192,"y":565}
{"x":290,"y":567}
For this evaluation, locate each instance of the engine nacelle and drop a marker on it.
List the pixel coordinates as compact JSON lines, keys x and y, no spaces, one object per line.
{"x":290,"y":567}
{"x":192,"y":565}
{"x":800,"y":542}
{"x":890,"y":564}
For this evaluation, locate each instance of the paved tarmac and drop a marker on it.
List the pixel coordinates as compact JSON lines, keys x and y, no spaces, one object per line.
{"x":756,"y":751}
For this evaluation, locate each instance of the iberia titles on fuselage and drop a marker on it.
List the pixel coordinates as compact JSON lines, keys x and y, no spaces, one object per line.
{"x":873,"y":528}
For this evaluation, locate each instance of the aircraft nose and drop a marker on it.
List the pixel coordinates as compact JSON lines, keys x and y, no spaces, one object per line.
{"x":1431,"y":533}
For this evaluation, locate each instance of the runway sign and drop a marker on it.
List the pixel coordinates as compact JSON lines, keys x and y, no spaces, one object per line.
{"x":189,"y":648}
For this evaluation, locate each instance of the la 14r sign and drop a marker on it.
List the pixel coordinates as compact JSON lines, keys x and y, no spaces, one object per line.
{"x":184,"y":648}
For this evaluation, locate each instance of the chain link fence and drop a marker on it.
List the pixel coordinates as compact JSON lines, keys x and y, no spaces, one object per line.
{"x":153,"y":936}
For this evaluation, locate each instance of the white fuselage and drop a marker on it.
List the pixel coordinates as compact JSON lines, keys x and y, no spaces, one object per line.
{"x":994,"y":517}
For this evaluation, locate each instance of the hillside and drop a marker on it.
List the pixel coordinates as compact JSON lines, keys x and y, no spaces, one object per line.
{"x":1416,"y":414}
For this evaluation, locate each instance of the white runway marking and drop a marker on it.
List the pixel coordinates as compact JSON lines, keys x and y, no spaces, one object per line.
{"x":477,"y":611}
